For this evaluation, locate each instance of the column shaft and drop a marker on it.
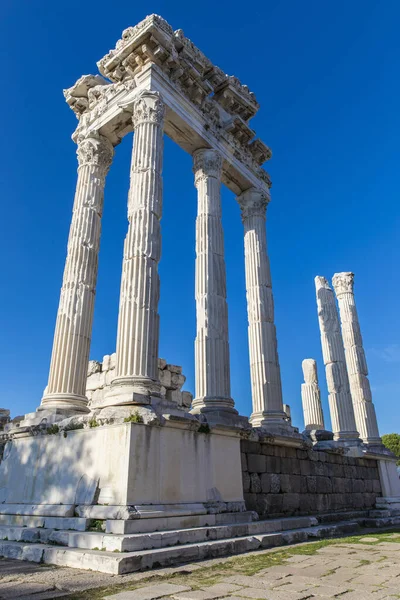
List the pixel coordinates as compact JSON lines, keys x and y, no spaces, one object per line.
{"x":263,"y":346}
{"x":357,"y":369}
{"x":212,"y":340}
{"x":340,"y":404}
{"x":70,"y":356}
{"x":311,"y":397}
{"x":136,"y":373}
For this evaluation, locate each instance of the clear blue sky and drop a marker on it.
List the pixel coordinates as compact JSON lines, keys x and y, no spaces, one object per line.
{"x":327,"y":77}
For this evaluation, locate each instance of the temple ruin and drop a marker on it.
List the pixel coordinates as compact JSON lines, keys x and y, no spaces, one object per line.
{"x":120,"y":468}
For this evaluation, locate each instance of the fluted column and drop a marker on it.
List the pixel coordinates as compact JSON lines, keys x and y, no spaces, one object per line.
{"x":360,"y":389}
{"x":69,"y":362}
{"x":263,"y":346}
{"x":311,"y":397}
{"x":340,"y":404}
{"x":212,"y":343}
{"x":136,"y":372}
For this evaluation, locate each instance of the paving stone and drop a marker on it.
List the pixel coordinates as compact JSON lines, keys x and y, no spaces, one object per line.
{"x":218,"y":590}
{"x":262,"y":594}
{"x":150,"y":592}
{"x":16,"y":590}
{"x":329,"y":591}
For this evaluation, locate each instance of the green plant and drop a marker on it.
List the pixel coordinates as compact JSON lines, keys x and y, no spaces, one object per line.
{"x":135,"y":417}
{"x":204,"y":428}
{"x":392,"y":443}
{"x":73,"y":426}
{"x":93,"y":422}
{"x":96,"y":525}
{"x":53,"y":429}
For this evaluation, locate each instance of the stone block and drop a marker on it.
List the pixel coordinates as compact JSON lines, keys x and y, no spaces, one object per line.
{"x":338,"y":485}
{"x":286,"y":483}
{"x":162,"y":363}
{"x":275,"y":483}
{"x":94,"y":366}
{"x":174,"y":396}
{"x":257,"y":463}
{"x":266,"y":483}
{"x":376,"y":486}
{"x":165,"y":378}
{"x":255,"y":483}
{"x":295,"y":465}
{"x":290,"y":452}
{"x":106,"y":363}
{"x":302,"y":454}
{"x":307,"y":467}
{"x":299,"y":484}
{"x":358,"y":485}
{"x":267,"y":449}
{"x":291,"y":503}
{"x":177,"y":380}
{"x":243,"y":460}
{"x":307,"y":503}
{"x":248,"y":446}
{"x":175,"y":369}
{"x":312,"y":484}
{"x":187,"y":399}
{"x":250,"y":501}
{"x":246,"y":481}
{"x":274,"y":502}
{"x":273,"y":464}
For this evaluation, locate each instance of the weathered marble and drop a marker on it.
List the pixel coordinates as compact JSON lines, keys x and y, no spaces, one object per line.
{"x":340,"y":403}
{"x":69,"y":360}
{"x":212,"y":340}
{"x":263,"y":346}
{"x":136,"y":373}
{"x":357,"y":369}
{"x":311,"y":396}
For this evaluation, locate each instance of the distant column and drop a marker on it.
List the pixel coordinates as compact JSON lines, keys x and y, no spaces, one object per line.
{"x":263,"y":346}
{"x":136,"y":371}
{"x":311,"y":397}
{"x":340,"y":403}
{"x":213,"y":391}
{"x":360,"y":389}
{"x":69,"y":361}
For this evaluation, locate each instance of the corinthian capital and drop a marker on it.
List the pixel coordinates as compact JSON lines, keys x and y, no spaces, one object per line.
{"x":206,"y":163}
{"x":252,"y":203}
{"x":343,"y":282}
{"x":95,"y":150}
{"x":148,"y":108}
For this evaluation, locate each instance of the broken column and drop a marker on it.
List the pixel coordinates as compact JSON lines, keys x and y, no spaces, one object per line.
{"x":311,"y":400}
{"x":340,"y":403}
{"x":357,"y":370}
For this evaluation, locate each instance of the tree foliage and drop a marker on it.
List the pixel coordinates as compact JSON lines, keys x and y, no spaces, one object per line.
{"x":392,"y":442}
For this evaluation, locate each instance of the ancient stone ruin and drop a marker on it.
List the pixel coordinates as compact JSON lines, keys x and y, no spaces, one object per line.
{"x":120,"y":469}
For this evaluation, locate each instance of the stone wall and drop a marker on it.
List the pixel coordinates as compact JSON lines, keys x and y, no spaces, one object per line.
{"x":100,"y":375}
{"x":287,"y":481}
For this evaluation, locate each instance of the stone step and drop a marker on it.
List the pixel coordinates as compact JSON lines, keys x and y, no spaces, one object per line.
{"x":351,"y":515}
{"x":122,"y":526}
{"x":134,"y":542}
{"x":74,"y":523}
{"x":38,"y":510}
{"x":128,"y":562}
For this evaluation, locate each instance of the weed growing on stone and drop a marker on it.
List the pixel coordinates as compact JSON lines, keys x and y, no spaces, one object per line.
{"x":93,"y":423}
{"x":135,"y":417}
{"x":53,"y":429}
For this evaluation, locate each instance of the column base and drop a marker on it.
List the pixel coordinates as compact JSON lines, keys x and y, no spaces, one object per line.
{"x":64,"y":402}
{"x":209,"y":404}
{"x":131,"y":390}
{"x":275,"y":423}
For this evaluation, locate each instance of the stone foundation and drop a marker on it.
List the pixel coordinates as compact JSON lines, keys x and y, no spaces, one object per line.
{"x":284,"y":481}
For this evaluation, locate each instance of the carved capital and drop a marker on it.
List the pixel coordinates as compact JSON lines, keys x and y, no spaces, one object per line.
{"x":95,"y":150}
{"x":253,"y":203}
{"x":343,"y":282}
{"x":148,"y":108}
{"x":206,"y":163}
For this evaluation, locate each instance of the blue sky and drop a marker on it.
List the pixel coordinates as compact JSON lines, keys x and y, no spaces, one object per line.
{"x":326,"y":76}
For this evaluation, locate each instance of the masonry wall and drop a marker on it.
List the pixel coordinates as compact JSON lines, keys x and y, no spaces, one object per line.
{"x":281,"y":481}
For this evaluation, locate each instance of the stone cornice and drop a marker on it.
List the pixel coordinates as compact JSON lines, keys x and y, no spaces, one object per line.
{"x":343,"y":282}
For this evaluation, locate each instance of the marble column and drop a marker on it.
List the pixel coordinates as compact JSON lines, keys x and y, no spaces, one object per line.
{"x":311,"y":397}
{"x":69,"y":362}
{"x":212,"y":368}
{"x":136,"y":371}
{"x":340,"y":404}
{"x":360,"y":389}
{"x":263,"y":346}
